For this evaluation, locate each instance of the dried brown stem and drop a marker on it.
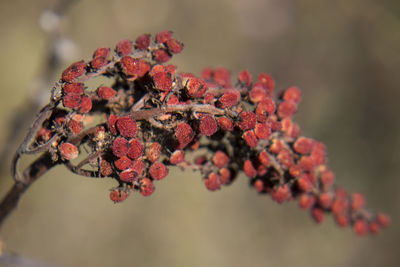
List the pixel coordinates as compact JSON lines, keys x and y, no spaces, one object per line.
{"x":30,"y":175}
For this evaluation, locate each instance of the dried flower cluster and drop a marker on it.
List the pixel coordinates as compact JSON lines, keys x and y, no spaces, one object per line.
{"x":146,"y":116}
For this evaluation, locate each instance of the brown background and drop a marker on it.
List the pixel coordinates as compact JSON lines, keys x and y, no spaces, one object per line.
{"x":345,"y":55}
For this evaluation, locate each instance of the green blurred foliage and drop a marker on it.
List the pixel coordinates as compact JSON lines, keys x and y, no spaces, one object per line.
{"x":345,"y":55}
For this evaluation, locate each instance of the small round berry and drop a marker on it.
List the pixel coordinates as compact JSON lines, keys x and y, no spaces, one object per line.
{"x":174,"y":46}
{"x":128,"y":176}
{"x":176,"y":157}
{"x":106,"y":92}
{"x":117,"y":195}
{"x":158,"y":171}
{"x":143,"y":41}
{"x":146,"y":187}
{"x":195,"y":87}
{"x":153,"y":152}
{"x":163,"y":36}
{"x":287,"y":109}
{"x":136,"y":149}
{"x":225,"y":124}
{"x":247,"y":120}
{"x":120,"y":147}
{"x":250,"y":138}
{"x":124,"y":47}
{"x":292,"y":93}
{"x":73,"y":71}
{"x":249,"y":169}
{"x":281,"y":194}
{"x":318,"y":215}
{"x":212,"y":182}
{"x":245,"y":78}
{"x":86,"y":104}
{"x":220,"y":159}
{"x":360,"y":227}
{"x":68,"y":151}
{"x":127,"y":127}
{"x":123,"y":163}
{"x":208,"y":125}
{"x":184,"y":134}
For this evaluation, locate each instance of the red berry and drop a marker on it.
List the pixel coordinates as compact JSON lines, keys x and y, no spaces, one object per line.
{"x":318,"y":215}
{"x":360,"y":227}
{"x":247,"y":120}
{"x":153,"y":152}
{"x":281,"y":194}
{"x":249,"y":169}
{"x":229,"y":99}
{"x":143,"y":41}
{"x":292,"y":93}
{"x":212,"y":182}
{"x":73,"y":88}
{"x":357,"y":201}
{"x":184,"y":134}
{"x":86,"y":104}
{"x":208,"y":125}
{"x":120,"y":147}
{"x":146,"y":187}
{"x":128,"y":176}
{"x":102,"y":52}
{"x":245,"y":78}
{"x":287,"y":109}
{"x":262,"y":131}
{"x":163,"y":36}
{"x":118,"y":195}
{"x":223,"y":77}
{"x":106,"y":92}
{"x":68,"y":151}
{"x":123,"y":163}
{"x":220,"y":159}
{"x":136,"y":149}
{"x":112,"y":120}
{"x":250,"y":138}
{"x":176,"y":157}
{"x":225,"y":124}
{"x":158,"y":171}
{"x":134,"y":67}
{"x":124,"y":47}
{"x":161,"y":56}
{"x":303,"y":145}
{"x":195,"y":87}
{"x":127,"y":127}
{"x":73,"y":71}
{"x":174,"y":46}
{"x":162,"y":81}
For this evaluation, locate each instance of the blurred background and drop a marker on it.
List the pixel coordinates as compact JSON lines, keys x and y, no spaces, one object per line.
{"x":344,"y":55}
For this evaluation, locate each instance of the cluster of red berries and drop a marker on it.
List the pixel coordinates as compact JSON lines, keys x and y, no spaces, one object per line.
{"x":151,"y":115}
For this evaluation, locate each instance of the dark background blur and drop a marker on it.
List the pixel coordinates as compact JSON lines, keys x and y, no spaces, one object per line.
{"x":344,"y":55}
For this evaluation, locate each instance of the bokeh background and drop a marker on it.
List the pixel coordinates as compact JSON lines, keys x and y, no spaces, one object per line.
{"x":345,"y":55}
